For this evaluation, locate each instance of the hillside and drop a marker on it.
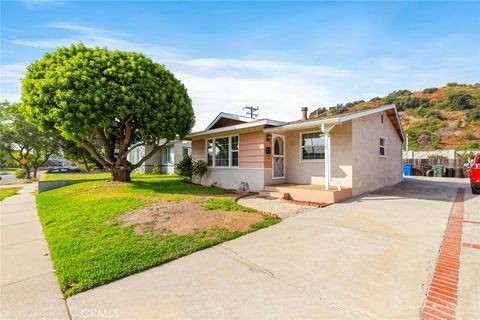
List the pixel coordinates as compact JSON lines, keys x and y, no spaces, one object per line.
{"x":434,"y":118}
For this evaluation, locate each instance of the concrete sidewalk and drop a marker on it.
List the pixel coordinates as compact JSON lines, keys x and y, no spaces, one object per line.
{"x":29,"y":288}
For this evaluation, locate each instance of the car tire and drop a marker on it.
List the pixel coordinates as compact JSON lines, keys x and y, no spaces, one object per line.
{"x":475,"y":190}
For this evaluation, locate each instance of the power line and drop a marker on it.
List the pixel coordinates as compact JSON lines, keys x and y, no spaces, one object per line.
{"x":252,"y":111}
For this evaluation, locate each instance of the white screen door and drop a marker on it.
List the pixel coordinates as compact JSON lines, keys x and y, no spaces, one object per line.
{"x":278,"y":157}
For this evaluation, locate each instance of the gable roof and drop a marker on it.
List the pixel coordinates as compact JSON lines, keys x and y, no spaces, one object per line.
{"x":259,"y":124}
{"x":243,"y":123}
{"x":231,"y":120}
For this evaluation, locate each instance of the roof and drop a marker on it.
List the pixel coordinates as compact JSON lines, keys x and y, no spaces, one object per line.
{"x":390,"y":109}
{"x":261,"y":123}
{"x":235,"y":117}
{"x":270,"y":125}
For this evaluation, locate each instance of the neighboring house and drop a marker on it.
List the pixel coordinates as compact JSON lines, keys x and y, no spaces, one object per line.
{"x":166,"y":158}
{"x":319,"y":160}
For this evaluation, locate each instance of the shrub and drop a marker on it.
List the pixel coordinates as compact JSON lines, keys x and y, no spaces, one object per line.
{"x":452,"y":84}
{"x":199,"y":169}
{"x":375,"y":99}
{"x":434,"y":114}
{"x":20,"y":174}
{"x":459,"y":100}
{"x":469,"y":135}
{"x":430,"y":90}
{"x":420,"y":112}
{"x":156,"y":169}
{"x":185,"y":168}
{"x":473,"y":115}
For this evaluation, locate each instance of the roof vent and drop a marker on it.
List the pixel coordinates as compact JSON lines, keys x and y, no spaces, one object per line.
{"x":304,"y":113}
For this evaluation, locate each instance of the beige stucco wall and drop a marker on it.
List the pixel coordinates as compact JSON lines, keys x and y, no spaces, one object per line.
{"x":371,"y":171}
{"x":312,"y":172}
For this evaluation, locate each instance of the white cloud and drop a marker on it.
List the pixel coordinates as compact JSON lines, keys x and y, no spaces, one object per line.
{"x":10,"y":81}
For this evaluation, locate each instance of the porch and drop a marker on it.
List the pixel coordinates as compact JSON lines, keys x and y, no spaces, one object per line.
{"x":307,"y":193}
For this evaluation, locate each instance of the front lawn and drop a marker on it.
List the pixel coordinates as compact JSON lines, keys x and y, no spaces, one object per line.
{"x":76,"y":176}
{"x":7,"y":192}
{"x":99,"y":231}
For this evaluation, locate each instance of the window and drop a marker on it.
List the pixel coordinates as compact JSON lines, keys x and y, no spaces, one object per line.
{"x":313,"y":146}
{"x":167,"y":155}
{"x":186,"y":151}
{"x":210,"y":152}
{"x":223,"y":152}
{"x":234,"y":143}
{"x":382,"y":146}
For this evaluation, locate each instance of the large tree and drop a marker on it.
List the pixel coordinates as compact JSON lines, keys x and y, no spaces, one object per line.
{"x":113,"y":99}
{"x":23,"y":141}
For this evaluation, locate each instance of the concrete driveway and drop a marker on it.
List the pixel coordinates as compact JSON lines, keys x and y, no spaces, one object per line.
{"x":369,"y":258}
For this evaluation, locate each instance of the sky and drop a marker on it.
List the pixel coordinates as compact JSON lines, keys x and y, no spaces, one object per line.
{"x":277,"y":55}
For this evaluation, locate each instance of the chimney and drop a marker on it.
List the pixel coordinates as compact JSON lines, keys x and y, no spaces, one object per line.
{"x":304,"y":113}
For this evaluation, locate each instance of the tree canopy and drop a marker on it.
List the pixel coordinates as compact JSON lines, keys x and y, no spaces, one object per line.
{"x":112,"y":99}
{"x":21,"y":140}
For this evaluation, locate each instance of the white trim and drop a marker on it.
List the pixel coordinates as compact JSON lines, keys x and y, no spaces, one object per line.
{"x":303,"y":125}
{"x":384,"y":147}
{"x":300,"y":148}
{"x":279,"y":156}
{"x":229,"y":151}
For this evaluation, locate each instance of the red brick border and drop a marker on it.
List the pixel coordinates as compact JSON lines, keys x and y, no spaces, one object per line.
{"x":470,"y":221}
{"x":441,"y":300}
{"x":471,"y":245}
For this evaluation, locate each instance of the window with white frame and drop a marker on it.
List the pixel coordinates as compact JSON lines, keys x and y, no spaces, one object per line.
{"x":234,"y":152}
{"x":223,"y":152}
{"x":312,"y":146}
{"x":167,"y":155}
{"x":210,"y":152}
{"x":382,"y":147}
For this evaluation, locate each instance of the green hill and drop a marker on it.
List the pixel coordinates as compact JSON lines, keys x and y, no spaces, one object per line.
{"x":434,"y":118}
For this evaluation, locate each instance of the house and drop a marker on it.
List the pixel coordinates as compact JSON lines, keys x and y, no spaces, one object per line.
{"x":166,"y":158}
{"x":319,"y":160}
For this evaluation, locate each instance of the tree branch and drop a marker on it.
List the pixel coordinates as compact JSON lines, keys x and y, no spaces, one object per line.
{"x":107,"y":146}
{"x":95,"y":154}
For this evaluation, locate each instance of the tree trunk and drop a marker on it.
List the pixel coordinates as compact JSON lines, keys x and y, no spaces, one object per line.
{"x":35,"y":169}
{"x":85,"y":163}
{"x":121,"y":173}
{"x":27,"y":172}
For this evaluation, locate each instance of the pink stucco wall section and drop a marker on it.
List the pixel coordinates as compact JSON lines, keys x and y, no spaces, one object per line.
{"x":252,"y":150}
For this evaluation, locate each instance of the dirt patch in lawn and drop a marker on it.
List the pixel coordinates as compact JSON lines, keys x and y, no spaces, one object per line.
{"x":184,"y":217}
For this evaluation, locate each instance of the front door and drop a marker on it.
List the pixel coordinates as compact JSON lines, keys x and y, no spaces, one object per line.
{"x":278,"y":157}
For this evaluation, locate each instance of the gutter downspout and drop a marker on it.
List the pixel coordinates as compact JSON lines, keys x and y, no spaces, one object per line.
{"x":328,"y":158}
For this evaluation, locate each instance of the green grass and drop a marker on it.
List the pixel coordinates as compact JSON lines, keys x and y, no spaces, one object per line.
{"x":7,"y":192}
{"x":8,"y":170}
{"x":88,"y":249}
{"x":76,"y":176}
{"x":226,"y":205}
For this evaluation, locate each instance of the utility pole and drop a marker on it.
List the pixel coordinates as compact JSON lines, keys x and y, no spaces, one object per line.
{"x":252,"y":111}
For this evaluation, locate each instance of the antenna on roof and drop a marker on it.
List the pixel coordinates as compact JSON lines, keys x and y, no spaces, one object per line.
{"x":252,"y":111}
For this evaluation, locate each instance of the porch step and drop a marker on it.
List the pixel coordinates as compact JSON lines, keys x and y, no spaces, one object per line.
{"x":270,"y":189}
{"x":273,"y":194}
